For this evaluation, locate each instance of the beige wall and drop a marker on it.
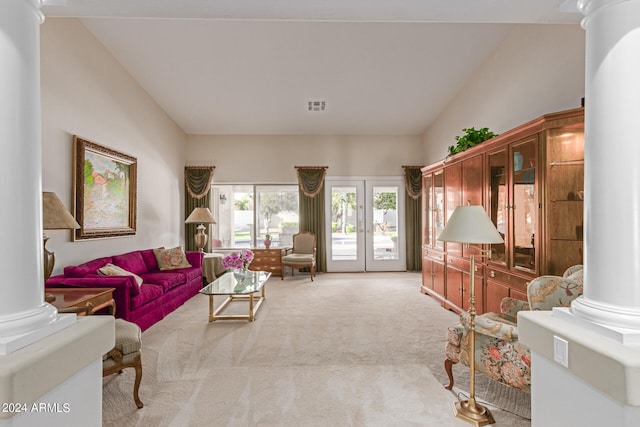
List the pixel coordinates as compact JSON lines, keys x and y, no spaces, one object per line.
{"x":271,"y":159}
{"x":538,"y":69}
{"x":87,"y":93}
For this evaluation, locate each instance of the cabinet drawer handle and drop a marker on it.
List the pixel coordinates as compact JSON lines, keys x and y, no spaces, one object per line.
{"x":492,"y":273}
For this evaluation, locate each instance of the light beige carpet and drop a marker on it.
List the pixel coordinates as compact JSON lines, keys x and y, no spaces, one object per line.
{"x":352,"y":349}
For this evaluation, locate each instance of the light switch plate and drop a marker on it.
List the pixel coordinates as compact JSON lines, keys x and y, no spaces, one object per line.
{"x":561,"y":351}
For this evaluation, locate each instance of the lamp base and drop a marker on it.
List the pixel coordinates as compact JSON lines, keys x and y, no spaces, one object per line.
{"x":473,"y":413}
{"x":200,"y":238}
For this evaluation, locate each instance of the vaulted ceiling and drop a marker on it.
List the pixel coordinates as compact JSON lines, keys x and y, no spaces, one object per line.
{"x":253,"y":66}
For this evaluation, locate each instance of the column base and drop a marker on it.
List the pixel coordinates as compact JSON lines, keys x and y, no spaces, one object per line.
{"x":606,"y":315}
{"x":621,"y":335}
{"x":13,"y":343}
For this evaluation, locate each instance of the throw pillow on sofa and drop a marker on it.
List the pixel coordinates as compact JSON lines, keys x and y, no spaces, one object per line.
{"x":113,"y":270}
{"x":171,"y":259}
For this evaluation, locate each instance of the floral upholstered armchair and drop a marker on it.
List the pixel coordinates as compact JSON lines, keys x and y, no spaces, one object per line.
{"x":498,"y":353}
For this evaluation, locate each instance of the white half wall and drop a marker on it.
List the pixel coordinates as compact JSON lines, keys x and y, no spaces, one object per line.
{"x":86,"y":92}
{"x":538,"y":69}
{"x":272,"y":158}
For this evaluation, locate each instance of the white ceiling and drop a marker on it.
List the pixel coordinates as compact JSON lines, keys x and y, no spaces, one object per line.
{"x":250,"y":67}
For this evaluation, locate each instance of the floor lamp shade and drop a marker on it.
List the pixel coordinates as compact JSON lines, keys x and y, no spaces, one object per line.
{"x":200,"y":216}
{"x":470,"y":224}
{"x":55,"y":216}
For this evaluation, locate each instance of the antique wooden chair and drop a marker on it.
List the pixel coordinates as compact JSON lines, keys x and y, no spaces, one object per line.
{"x":302,"y":254}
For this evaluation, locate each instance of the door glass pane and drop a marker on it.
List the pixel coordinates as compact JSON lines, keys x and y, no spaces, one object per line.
{"x":385,"y":223}
{"x":344,"y":222}
{"x":498,"y":201}
{"x":524,"y":205}
{"x":438,"y":212}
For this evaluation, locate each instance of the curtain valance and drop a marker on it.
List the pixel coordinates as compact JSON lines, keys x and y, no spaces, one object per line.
{"x":413,"y":181}
{"x":198,"y":179}
{"x":311,"y":179}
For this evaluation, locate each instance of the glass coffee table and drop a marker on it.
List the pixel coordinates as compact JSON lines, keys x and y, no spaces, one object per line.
{"x":237,"y":287}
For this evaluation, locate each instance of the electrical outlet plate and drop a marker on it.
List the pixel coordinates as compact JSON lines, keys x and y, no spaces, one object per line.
{"x":561,"y":351}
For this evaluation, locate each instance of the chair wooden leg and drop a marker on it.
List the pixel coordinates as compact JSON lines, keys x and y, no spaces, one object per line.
{"x":448,"y":365}
{"x":136,"y":384}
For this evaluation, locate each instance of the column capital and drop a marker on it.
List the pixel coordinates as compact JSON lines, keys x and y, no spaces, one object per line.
{"x":35,"y":5}
{"x":591,"y":7}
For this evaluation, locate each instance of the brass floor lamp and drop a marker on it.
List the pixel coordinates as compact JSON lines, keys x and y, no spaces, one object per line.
{"x":471,"y":225}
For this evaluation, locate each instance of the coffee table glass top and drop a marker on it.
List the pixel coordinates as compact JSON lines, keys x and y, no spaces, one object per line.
{"x":236,"y":284}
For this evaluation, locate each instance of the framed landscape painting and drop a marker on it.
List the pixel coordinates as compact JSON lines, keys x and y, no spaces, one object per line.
{"x":104,"y":181}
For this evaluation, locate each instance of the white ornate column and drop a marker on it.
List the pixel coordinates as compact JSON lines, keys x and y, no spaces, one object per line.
{"x":612,"y":158}
{"x":584,"y":361}
{"x":46,"y":360}
{"x":24,"y":317}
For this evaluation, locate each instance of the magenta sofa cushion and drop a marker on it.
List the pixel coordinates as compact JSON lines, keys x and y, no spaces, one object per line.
{"x":132,"y":262}
{"x":89,"y":267}
{"x":150,"y":259}
{"x":166,"y":279}
{"x":190,"y":273}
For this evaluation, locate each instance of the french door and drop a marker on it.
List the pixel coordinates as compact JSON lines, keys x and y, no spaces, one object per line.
{"x":365,"y":225}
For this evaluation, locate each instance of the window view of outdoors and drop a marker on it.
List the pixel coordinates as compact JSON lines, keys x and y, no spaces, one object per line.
{"x":246,"y":214}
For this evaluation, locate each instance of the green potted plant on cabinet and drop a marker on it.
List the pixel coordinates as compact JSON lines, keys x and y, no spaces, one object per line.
{"x":471,"y":138}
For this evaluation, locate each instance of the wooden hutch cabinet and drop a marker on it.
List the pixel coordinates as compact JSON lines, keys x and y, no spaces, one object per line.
{"x":531,"y":182}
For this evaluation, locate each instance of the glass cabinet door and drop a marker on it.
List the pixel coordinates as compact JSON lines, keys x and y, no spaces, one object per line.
{"x":564,"y":185}
{"x":426,"y":208}
{"x":524,"y":204}
{"x":498,"y":201}
{"x":438,"y":208}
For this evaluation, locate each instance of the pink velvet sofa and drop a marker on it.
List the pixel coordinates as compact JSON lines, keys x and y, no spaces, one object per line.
{"x":160,"y":293}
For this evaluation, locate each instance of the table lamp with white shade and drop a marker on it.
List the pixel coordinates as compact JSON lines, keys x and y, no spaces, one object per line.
{"x":200,"y":216}
{"x":471,"y":225}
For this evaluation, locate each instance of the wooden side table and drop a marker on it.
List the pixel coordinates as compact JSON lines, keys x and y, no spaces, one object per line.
{"x":81,"y":300}
{"x":269,"y":260}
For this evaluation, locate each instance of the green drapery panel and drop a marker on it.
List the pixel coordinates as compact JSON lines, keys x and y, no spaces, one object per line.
{"x":312,"y":212}
{"x":197,"y":181}
{"x":413,"y":216}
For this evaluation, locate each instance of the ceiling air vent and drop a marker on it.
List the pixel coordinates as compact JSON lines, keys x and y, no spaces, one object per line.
{"x":316,"y":105}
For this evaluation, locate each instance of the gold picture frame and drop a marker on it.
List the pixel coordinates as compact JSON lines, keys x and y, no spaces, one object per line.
{"x":104,"y":182}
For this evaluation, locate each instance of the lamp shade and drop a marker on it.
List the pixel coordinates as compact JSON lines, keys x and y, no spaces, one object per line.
{"x":470,"y":224}
{"x":55,"y":215}
{"x":200,"y":216}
